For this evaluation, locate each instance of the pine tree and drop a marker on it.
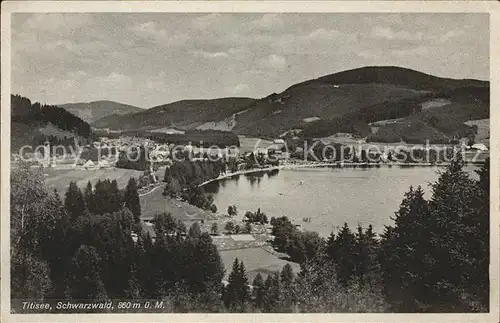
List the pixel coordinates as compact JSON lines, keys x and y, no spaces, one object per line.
{"x":30,"y":276}
{"x":115,"y":197}
{"x":84,"y":281}
{"x":74,"y":202}
{"x":367,"y":267}
{"x":287,"y":275}
{"x":243,"y":291}
{"x":403,"y":259}
{"x":268,"y":301}
{"x":258,"y":290}
{"x":344,"y":255}
{"x":195,"y":231}
{"x":236,"y":293}
{"x":131,"y":199}
{"x":206,"y":268}
{"x":458,"y":237}
{"x":230,"y":296}
{"x":89,"y":198}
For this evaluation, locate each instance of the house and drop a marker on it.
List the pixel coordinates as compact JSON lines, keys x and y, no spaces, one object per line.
{"x":89,"y":164}
{"x":480,"y":147}
{"x":104,"y":164}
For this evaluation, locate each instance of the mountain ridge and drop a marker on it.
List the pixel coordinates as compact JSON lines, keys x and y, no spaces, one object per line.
{"x":95,"y":110}
{"x":346,"y":100}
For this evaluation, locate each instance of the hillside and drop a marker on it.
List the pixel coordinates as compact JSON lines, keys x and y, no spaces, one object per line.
{"x":186,"y":114}
{"x":291,"y":109}
{"x":93,"y":111}
{"x":33,"y":124}
{"x":348,"y":101}
{"x":396,"y":76}
{"x":342,"y":102}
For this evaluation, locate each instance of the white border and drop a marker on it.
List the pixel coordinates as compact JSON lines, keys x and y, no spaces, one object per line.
{"x":492,"y":7}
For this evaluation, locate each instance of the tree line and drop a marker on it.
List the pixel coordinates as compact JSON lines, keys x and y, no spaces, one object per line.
{"x":22,"y":110}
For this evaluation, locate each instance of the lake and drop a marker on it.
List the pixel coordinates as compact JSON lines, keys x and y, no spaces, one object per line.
{"x":329,"y":196}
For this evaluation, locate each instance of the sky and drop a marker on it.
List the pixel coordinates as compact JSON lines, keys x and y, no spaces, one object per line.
{"x":149,"y":59}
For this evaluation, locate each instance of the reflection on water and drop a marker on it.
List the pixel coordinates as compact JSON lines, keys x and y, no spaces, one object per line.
{"x":327,"y":197}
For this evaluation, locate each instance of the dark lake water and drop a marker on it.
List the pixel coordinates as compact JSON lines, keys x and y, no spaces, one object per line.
{"x":329,"y":196}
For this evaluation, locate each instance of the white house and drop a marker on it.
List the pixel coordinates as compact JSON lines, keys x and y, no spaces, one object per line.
{"x":89,"y":164}
{"x":480,"y":147}
{"x":104,"y":164}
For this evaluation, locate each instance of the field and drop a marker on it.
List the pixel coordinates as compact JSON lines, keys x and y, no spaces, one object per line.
{"x":60,"y":178}
{"x":248,"y":144}
{"x":155,"y":203}
{"x":256,"y":260}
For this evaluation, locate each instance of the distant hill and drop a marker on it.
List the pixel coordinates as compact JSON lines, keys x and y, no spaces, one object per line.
{"x":33,"y":124}
{"x":347,"y":101}
{"x":396,"y":76}
{"x":93,"y":111}
{"x":186,"y":114}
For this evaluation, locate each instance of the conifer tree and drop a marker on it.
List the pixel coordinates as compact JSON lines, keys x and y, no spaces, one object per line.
{"x":287,"y":275}
{"x":84,"y":281}
{"x":267,"y":297}
{"x":115,"y":197}
{"x":205,"y":268}
{"x":258,"y":291}
{"x":243,"y":290}
{"x":236,"y":292}
{"x":195,"y":231}
{"x":74,"y":202}
{"x":131,"y":199}
{"x":344,"y":254}
{"x":89,"y":198}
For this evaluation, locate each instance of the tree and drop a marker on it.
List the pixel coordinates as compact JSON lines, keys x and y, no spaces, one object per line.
{"x":74,"y":202}
{"x":214,"y":229}
{"x":165,"y":224}
{"x":367,"y":265}
{"x":30,"y":277}
{"x":84,"y":281}
{"x":205,"y":269}
{"x":232,"y":210}
{"x":248,"y":228}
{"x":343,"y":254}
{"x":132,"y":200}
{"x":115,"y":197}
{"x":229,"y":227}
{"x":258,"y":290}
{"x":236,"y":292}
{"x":89,"y":197}
{"x":237,"y":229}
{"x":194,"y":230}
{"x":287,"y":275}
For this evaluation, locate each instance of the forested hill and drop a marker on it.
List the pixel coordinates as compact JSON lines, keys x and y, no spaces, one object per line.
{"x":350,"y":100}
{"x":185,"y":114}
{"x":396,"y":76}
{"x":32,"y":121}
{"x":95,"y":110}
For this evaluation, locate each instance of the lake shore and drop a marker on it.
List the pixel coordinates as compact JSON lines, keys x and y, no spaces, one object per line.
{"x":293,"y":166}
